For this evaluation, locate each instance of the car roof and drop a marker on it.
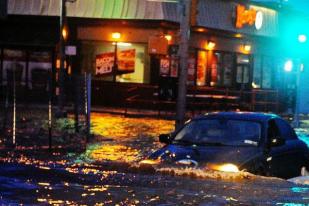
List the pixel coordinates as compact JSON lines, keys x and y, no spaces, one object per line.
{"x":251,"y":116}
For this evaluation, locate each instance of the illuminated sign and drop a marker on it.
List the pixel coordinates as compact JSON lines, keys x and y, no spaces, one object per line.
{"x":259,"y":20}
{"x":248,"y":17}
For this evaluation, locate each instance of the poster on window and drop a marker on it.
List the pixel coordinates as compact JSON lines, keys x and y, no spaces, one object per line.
{"x":191,"y":71}
{"x":174,"y":66}
{"x":104,"y":63}
{"x":164,"y":67}
{"x":126,"y":61}
{"x":40,"y":64}
{"x":14,"y":60}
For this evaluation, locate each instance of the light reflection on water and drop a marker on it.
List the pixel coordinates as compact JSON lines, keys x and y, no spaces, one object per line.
{"x":96,"y":180}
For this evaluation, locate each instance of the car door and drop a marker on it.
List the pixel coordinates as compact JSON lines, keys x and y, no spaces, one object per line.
{"x":283,"y":160}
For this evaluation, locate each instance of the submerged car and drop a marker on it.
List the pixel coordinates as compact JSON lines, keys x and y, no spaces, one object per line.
{"x":259,"y":143}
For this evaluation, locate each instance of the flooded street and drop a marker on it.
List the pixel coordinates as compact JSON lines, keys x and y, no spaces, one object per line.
{"x":108,"y":173}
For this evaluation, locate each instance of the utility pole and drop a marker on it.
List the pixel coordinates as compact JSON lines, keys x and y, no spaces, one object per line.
{"x":185,"y":6}
{"x":62,"y":56}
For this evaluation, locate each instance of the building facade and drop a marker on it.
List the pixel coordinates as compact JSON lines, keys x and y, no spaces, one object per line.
{"x":233,"y":50}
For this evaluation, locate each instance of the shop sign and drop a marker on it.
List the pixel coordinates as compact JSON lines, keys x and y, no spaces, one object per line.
{"x":248,"y":17}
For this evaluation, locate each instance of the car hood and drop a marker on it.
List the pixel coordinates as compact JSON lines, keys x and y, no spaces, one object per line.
{"x":207,"y":154}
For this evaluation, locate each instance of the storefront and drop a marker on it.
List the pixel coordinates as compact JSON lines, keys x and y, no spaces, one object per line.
{"x":232,"y":47}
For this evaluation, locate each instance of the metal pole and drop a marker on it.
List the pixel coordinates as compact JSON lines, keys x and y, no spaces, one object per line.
{"x":296,"y":112}
{"x":88,"y":106}
{"x":62,"y":55}
{"x":50,"y":111}
{"x":14,"y":104}
{"x":115,"y":66}
{"x":183,"y":51}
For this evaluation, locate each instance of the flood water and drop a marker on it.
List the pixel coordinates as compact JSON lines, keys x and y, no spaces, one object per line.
{"x":108,"y":173}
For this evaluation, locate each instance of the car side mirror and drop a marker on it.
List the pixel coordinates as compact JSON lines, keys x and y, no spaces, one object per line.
{"x":165,"y":138}
{"x":277,"y":141}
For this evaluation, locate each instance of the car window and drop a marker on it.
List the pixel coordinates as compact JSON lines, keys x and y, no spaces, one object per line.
{"x":285,"y":130}
{"x":228,"y":132}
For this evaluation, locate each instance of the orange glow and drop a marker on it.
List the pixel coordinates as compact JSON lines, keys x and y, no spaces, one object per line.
{"x":116,"y":35}
{"x":64,"y":33}
{"x":114,"y":153}
{"x":200,"y":29}
{"x":244,"y":16}
{"x":150,"y":162}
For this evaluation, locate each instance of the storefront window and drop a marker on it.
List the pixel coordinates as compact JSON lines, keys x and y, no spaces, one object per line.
{"x":14,"y":60}
{"x":201,"y":68}
{"x":215,"y":67}
{"x":40,"y":64}
{"x":191,"y":70}
{"x":243,"y":69}
{"x":221,"y":69}
{"x":263,"y":70}
{"x":256,"y":83}
{"x":267,"y":72}
{"x":227,"y":69}
{"x":98,"y":57}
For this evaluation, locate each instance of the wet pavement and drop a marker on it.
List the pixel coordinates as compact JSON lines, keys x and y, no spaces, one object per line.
{"x":108,"y":173}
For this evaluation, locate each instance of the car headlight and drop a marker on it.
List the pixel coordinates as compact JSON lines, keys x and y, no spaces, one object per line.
{"x":224,"y":167}
{"x":150,"y":162}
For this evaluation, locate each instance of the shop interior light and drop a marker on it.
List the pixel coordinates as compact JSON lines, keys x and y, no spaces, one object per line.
{"x":116,"y":35}
{"x":211,"y":45}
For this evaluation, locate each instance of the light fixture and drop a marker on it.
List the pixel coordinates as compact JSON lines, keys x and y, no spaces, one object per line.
{"x":247,"y":48}
{"x":168,"y":37}
{"x":238,"y":35}
{"x":211,"y":45}
{"x":116,"y":35}
{"x":64,"y":33}
{"x":288,"y":66}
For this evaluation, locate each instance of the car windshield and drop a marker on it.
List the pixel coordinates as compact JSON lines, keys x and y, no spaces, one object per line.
{"x":219,"y":132}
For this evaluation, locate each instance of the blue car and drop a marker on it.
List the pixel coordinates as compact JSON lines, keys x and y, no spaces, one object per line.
{"x":259,"y":143}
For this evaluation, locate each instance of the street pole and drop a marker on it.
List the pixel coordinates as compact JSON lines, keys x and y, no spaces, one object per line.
{"x":183,"y":53}
{"x":62,"y":56}
{"x":115,"y":66}
{"x":296,"y":112}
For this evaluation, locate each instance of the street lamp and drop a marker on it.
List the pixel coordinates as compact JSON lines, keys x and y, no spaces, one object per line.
{"x":115,"y":36}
